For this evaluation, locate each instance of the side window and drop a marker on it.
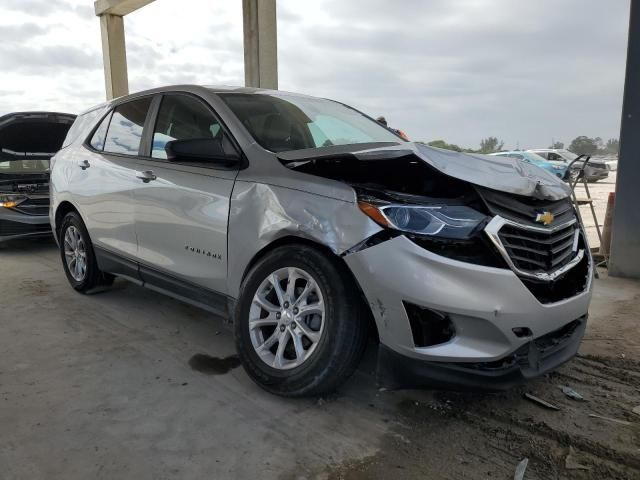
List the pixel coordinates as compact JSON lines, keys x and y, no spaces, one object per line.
{"x":182,"y":117}
{"x":554,"y":156}
{"x":125,"y":128}
{"x":97,"y":141}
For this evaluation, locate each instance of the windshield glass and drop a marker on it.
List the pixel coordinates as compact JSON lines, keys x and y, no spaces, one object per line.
{"x":568,"y":155}
{"x":534,"y":157}
{"x":24,"y":166}
{"x":282,"y":123}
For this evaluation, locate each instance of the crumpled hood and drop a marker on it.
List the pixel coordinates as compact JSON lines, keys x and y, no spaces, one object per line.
{"x":498,"y":173}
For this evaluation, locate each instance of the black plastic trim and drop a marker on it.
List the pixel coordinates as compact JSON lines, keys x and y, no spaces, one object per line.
{"x":166,"y":283}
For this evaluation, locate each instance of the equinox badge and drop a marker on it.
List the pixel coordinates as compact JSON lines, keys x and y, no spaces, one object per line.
{"x":546,"y":218}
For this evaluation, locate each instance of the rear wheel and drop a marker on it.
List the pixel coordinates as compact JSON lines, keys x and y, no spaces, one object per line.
{"x":78,"y":257}
{"x":298,"y":323}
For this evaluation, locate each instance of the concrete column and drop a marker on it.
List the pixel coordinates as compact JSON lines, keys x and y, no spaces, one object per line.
{"x":260,"y":43}
{"x":114,"y":55}
{"x":625,"y":237}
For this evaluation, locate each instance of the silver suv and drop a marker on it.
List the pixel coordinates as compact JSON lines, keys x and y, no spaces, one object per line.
{"x":315,"y":229}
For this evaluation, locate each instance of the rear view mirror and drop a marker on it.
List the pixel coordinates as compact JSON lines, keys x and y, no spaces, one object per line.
{"x":215,"y":150}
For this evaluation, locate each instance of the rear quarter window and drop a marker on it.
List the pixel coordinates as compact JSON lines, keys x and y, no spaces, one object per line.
{"x":82,"y":124}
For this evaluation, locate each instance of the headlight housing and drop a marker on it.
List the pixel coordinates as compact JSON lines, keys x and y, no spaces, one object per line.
{"x":557,"y":167}
{"x":456,"y":222}
{"x":10,"y":201}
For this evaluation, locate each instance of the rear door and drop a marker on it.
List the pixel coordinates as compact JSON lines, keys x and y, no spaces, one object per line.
{"x":106,"y":180}
{"x":182,"y":209}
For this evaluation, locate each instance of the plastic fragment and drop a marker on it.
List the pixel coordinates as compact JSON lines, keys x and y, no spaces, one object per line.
{"x":571,"y":462}
{"x":571,"y":393}
{"x":520,"y":469}
{"x":540,"y":401}
{"x":609,"y":419}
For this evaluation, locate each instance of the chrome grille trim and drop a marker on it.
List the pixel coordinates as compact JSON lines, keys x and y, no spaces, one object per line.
{"x":495,"y":225}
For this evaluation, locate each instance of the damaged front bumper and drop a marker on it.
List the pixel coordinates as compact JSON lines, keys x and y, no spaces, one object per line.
{"x":499,"y":325}
{"x":530,"y":361}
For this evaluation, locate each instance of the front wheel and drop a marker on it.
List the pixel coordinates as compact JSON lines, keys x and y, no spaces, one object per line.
{"x":298,"y":324}
{"x":78,"y":258}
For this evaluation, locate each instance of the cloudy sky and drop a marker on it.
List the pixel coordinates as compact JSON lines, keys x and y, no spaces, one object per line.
{"x":459,"y":70}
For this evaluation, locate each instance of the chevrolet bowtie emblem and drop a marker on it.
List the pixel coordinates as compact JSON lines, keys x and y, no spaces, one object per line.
{"x":546,"y":218}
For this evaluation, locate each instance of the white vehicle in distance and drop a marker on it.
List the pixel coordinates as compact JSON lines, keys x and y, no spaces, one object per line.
{"x":312,"y":228}
{"x":595,"y":170}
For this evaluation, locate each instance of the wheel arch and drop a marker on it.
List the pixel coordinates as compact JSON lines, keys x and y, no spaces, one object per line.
{"x":61,"y":211}
{"x":294,"y":240}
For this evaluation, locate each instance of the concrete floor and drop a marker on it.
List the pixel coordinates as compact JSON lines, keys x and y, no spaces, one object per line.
{"x":100,"y":387}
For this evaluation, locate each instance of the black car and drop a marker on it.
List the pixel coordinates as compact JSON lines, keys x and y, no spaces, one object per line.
{"x":28,"y":140}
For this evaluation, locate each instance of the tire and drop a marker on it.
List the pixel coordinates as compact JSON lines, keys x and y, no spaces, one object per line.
{"x":340,"y":332}
{"x":91,"y":277}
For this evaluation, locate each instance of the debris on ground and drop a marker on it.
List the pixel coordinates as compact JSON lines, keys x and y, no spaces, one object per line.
{"x":540,"y":401}
{"x":572,"y":463}
{"x":636,"y":410}
{"x":609,"y":419}
{"x":520,"y":469}
{"x":571,"y":393}
{"x":320,"y":402}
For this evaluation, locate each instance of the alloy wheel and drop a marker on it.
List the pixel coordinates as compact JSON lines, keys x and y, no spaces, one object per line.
{"x":287,"y":318}
{"x":75,"y":253}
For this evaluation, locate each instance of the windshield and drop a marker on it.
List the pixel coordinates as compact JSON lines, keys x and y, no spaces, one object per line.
{"x":283,"y":123}
{"x":534,"y":157}
{"x":24,"y":167}
{"x":568,"y":155}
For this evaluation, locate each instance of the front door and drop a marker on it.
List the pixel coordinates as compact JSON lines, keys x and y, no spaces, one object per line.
{"x":182,"y":208}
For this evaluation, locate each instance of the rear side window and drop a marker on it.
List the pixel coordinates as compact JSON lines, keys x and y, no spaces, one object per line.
{"x":97,"y":141}
{"x":182,"y":117}
{"x":125,"y":129}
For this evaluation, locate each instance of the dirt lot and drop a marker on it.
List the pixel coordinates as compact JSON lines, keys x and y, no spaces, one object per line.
{"x":109,"y":386}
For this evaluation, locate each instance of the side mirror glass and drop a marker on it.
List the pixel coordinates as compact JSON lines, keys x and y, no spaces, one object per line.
{"x":215,"y":150}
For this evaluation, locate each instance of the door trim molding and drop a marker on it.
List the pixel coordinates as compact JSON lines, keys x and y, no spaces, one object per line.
{"x":166,"y":283}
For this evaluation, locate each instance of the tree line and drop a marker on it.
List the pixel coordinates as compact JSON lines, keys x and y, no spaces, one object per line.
{"x":579,"y":145}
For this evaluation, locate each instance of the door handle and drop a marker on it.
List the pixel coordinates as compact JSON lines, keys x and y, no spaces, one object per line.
{"x":146,"y":176}
{"x":84,"y":164}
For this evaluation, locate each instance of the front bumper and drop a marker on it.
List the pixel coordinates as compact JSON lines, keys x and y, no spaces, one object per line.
{"x":596,"y":173}
{"x":530,"y":361}
{"x":15,"y":225}
{"x":484,"y":304}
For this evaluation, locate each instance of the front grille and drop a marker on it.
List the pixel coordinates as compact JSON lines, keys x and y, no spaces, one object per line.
{"x":524,"y":210}
{"x":539,"y":251}
{"x":574,"y":282}
{"x":544,"y":249}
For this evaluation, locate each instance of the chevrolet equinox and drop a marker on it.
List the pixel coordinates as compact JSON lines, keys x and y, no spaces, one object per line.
{"x":314,"y":228}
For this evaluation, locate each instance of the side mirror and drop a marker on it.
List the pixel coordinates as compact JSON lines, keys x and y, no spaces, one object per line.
{"x":215,"y":150}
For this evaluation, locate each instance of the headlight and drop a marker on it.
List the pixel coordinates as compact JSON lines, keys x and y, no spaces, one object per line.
{"x":10,"y":201}
{"x":557,"y":167}
{"x":455,"y":222}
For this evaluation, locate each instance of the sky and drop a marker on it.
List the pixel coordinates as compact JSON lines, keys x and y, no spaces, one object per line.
{"x":526,"y":72}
